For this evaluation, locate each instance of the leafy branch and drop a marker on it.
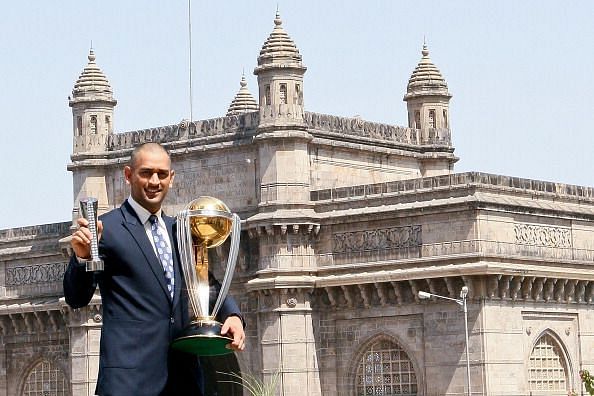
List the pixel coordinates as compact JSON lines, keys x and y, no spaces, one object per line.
{"x":588,"y":381}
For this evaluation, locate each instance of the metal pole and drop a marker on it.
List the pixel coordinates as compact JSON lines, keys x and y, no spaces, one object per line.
{"x":466,"y":333}
{"x":190,"y":57}
{"x":462,"y":302}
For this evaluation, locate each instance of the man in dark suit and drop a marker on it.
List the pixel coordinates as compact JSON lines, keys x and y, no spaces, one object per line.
{"x":145,"y":304}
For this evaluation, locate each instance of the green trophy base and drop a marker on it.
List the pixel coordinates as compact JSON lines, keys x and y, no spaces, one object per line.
{"x":203,"y":338}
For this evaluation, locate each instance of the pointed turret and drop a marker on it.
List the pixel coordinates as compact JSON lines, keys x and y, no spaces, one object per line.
{"x":427,"y":96}
{"x":279,"y":48}
{"x":92,"y":85}
{"x":280,"y":78}
{"x":243,"y":102}
{"x":92,"y":105}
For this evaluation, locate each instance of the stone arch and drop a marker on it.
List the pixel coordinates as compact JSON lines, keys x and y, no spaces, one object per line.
{"x":548,"y":370}
{"x":383,"y":365}
{"x":44,"y":377}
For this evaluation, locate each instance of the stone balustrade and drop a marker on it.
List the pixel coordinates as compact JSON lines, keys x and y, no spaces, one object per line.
{"x":336,"y":127}
{"x":342,"y":127}
{"x":453,"y":180}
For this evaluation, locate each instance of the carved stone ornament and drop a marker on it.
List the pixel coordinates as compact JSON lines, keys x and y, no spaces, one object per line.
{"x":33,"y":274}
{"x":528,"y":234}
{"x":387,"y":238}
{"x":291,"y":302}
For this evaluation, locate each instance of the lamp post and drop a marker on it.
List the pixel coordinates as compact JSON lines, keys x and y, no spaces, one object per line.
{"x":462,"y":303}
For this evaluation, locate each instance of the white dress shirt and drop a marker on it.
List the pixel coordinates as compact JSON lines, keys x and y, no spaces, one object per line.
{"x":144,"y":215}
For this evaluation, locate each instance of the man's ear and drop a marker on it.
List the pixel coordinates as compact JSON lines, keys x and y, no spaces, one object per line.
{"x":128,"y":174}
{"x":172,"y":177}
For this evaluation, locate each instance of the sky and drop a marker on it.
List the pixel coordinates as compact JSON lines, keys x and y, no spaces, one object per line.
{"x":521,"y":75}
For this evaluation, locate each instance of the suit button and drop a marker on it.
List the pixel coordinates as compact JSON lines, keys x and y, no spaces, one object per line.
{"x":172,"y":320}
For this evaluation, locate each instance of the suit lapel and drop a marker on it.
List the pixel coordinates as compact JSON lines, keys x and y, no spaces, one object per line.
{"x":136,"y":229}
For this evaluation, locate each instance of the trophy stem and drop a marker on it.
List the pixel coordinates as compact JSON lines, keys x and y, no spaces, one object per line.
{"x":202,"y":277}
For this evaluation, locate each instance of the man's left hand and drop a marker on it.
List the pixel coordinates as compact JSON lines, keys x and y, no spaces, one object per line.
{"x":234,"y":328}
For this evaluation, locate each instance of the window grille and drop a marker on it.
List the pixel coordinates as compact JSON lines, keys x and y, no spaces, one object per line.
{"x":547,"y":368}
{"x":93,"y":124}
{"x":432,"y":118}
{"x":385,"y":369}
{"x":283,"y":93}
{"x":45,"y":379}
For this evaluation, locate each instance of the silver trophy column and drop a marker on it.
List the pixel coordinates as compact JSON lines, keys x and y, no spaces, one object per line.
{"x":88,"y":210}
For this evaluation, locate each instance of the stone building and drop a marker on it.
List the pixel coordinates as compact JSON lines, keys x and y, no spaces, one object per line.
{"x":344,"y":222}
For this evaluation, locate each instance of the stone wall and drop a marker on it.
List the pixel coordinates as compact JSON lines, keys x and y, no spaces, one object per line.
{"x":338,"y":167}
{"x":22,"y":352}
{"x":511,"y":331}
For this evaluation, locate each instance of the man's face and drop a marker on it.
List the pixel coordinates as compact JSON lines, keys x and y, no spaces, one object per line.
{"x":150,"y":178}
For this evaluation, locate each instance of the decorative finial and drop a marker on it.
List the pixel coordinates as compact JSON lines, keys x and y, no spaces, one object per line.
{"x":277,"y":19}
{"x":425,"y":51}
{"x":91,"y":56}
{"x":243,"y":83}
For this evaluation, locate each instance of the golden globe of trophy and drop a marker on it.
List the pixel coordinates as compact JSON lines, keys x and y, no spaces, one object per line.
{"x":204,"y":223}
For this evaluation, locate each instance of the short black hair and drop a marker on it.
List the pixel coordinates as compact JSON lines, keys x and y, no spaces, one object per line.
{"x":152,"y":146}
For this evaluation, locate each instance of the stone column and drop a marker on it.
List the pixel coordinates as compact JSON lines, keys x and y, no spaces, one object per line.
{"x":287,"y":340}
{"x":84,"y":331}
{"x":3,"y":365}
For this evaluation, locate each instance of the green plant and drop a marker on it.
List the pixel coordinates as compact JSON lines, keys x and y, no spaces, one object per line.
{"x":254,"y":385}
{"x":588,"y":381}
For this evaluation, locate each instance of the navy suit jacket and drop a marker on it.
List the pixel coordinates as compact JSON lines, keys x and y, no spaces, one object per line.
{"x":139,"y":317}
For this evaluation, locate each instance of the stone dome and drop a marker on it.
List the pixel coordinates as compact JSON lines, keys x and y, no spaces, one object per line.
{"x":92,"y":83}
{"x":243,"y":102}
{"x":279,"y":48}
{"x":426,"y":79}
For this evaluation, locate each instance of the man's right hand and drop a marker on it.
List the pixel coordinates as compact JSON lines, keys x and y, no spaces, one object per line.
{"x":81,"y":238}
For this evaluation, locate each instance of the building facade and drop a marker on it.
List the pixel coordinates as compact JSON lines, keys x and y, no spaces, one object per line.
{"x":344,"y":222}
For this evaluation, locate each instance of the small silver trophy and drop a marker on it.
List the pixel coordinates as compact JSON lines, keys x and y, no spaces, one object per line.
{"x":88,"y":210}
{"x":205,"y":222}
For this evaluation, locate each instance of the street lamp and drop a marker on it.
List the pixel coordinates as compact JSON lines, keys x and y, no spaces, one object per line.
{"x":462,"y":303}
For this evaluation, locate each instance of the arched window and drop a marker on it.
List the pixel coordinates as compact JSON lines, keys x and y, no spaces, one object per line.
{"x":79,"y":126}
{"x":283,"y":93}
{"x":93,"y":125}
{"x":432,"y":123}
{"x":45,"y":379}
{"x":417,"y":119}
{"x":547,"y":367}
{"x":107,"y":124}
{"x":267,"y":95}
{"x":298,"y":95}
{"x":385,"y":369}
